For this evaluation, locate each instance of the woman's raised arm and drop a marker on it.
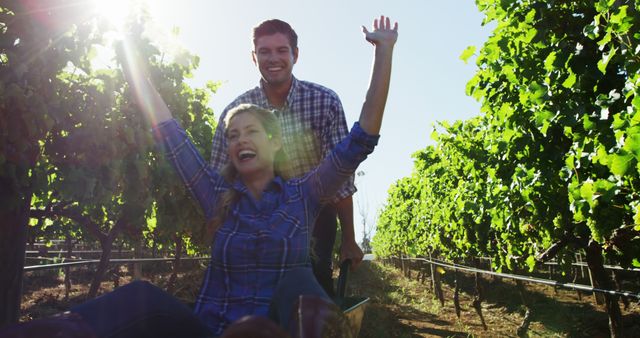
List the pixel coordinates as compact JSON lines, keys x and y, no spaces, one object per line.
{"x":343,"y":161}
{"x":148,"y":99}
{"x":384,"y":38}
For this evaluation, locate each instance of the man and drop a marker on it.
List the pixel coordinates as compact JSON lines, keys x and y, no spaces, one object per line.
{"x":313,"y":122}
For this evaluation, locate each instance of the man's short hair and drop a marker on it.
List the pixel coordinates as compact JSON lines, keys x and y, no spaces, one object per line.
{"x":273,"y":26}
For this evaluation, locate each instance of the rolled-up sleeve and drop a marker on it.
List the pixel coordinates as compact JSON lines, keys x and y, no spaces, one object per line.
{"x":204,"y":183}
{"x":323,"y":182}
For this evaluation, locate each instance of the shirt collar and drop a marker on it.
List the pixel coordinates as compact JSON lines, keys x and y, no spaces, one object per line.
{"x":239,"y":186}
{"x":290,"y":96}
{"x":276,"y":185}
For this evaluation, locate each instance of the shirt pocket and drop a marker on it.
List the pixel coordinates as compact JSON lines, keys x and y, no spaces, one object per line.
{"x":286,"y":224}
{"x":287,"y":242}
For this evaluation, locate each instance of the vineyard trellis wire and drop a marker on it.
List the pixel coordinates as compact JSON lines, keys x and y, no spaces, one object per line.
{"x":111,"y":261}
{"x":530,"y":279}
{"x":434,"y":270}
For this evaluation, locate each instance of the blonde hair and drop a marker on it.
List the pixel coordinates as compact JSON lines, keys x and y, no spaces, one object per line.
{"x":281,"y":166}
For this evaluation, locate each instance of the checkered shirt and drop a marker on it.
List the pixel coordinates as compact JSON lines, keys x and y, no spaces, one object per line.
{"x":312,"y":122}
{"x":261,"y":239}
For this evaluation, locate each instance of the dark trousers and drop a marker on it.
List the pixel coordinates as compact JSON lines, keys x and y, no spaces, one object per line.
{"x":324,"y":237}
{"x":140,"y":309}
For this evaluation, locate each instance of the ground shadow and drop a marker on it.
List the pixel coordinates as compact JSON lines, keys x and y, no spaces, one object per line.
{"x":559,"y":310}
{"x":384,"y":317}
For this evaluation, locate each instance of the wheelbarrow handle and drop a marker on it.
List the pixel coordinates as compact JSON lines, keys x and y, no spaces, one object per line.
{"x":342,"y":279}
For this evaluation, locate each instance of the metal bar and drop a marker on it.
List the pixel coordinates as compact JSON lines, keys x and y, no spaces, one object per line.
{"x":36,"y":252}
{"x":115,"y":260}
{"x":570,"y":286}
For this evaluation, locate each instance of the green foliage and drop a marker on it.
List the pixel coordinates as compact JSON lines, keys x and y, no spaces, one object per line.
{"x":553,"y":159}
{"x":72,"y":137}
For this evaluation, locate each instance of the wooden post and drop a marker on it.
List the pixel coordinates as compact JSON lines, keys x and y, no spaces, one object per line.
{"x":599,"y":298}
{"x":579,"y":259}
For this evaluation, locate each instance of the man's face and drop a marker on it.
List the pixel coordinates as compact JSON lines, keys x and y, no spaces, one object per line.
{"x":275,"y":58}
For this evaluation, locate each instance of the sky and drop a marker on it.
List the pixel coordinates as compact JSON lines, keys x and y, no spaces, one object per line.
{"x":427,"y":83}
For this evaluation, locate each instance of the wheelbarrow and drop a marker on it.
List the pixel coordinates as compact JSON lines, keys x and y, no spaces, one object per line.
{"x":352,"y":307}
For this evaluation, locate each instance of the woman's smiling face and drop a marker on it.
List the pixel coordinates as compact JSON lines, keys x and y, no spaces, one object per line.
{"x":251,"y":149}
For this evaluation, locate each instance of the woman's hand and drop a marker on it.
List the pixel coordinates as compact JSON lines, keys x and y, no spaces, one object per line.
{"x":382,"y":33}
{"x":146,"y":96}
{"x":383,"y":37}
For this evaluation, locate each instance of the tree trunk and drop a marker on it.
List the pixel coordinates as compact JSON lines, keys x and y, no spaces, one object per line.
{"x":479,"y":296}
{"x":13,"y":225}
{"x":154,"y":249}
{"x":456,"y":293}
{"x":575,"y":278}
{"x":137,"y":267}
{"x":602,"y":281}
{"x":597,"y":296}
{"x":67,"y":277}
{"x":171,"y":286}
{"x":618,"y":283}
{"x":423,"y":272}
{"x":106,"y":244}
{"x":526,"y":321}
{"x":432,"y":270}
{"x":438,"y":287}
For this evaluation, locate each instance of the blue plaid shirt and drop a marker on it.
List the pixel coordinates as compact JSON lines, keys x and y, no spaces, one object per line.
{"x":260,"y":239}
{"x":312,"y":122}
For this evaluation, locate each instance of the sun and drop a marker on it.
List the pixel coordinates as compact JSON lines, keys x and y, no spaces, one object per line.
{"x":120,"y":14}
{"x":116,"y":11}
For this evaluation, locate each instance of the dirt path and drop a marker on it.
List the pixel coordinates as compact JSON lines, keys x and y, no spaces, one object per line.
{"x":399,"y":306}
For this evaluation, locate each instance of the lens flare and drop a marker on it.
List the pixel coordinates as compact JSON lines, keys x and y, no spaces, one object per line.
{"x":115,"y":11}
{"x":137,"y":76}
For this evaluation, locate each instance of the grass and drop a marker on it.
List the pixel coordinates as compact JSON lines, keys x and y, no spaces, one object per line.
{"x":404,"y":307}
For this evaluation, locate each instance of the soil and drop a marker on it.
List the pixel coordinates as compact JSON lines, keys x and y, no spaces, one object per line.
{"x":405,"y":307}
{"x":399,"y":306}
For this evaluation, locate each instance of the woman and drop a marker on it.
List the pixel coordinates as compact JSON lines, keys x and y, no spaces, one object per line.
{"x":260,"y":259}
